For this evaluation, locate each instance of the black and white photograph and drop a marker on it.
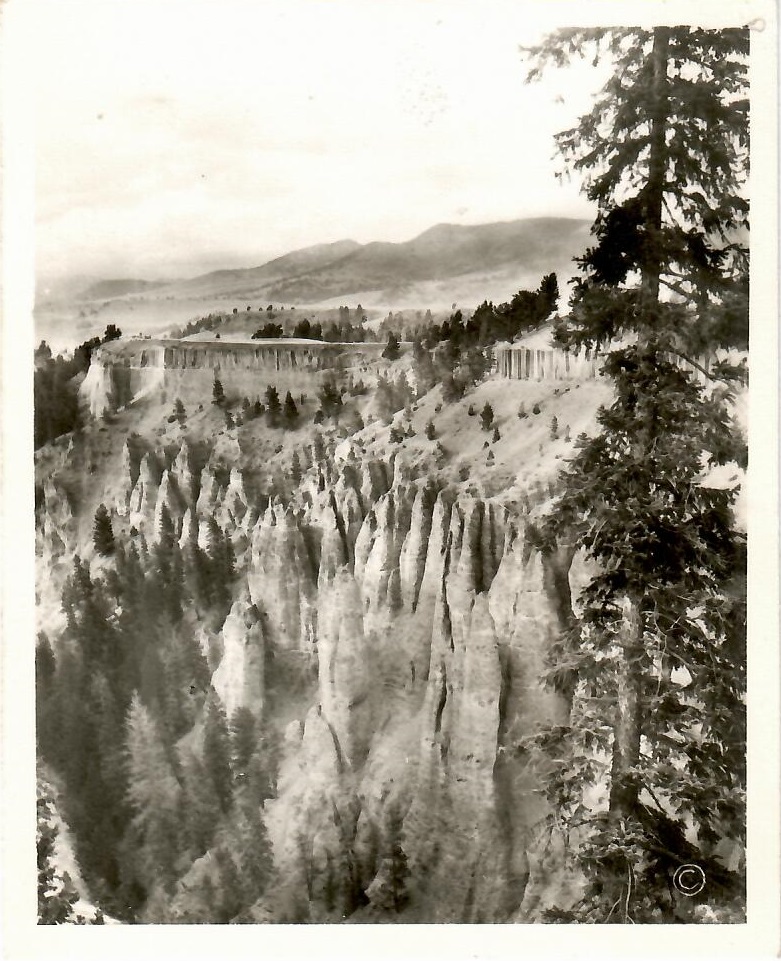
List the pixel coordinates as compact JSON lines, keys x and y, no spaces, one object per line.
{"x":393,"y":476}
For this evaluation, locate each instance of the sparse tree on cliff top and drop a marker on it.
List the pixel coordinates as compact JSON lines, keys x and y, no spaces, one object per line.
{"x":295,"y":468}
{"x":290,"y":411}
{"x":273,"y":406}
{"x":664,"y":156}
{"x":330,"y":398}
{"x":392,"y":348}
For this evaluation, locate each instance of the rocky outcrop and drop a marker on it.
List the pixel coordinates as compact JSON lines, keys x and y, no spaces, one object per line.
{"x":422,"y":620}
{"x":125,"y":371}
{"x":56,"y":524}
{"x":344,"y":667}
{"x":182,"y":471}
{"x":235,"y":503}
{"x":522,"y":363}
{"x":209,"y":493}
{"x":281,"y":581}
{"x":168,"y":500}
{"x":127,"y":479}
{"x":144,"y":495}
{"x":112,"y":383}
{"x":189,"y":533}
{"x":483,"y":695}
{"x":227,"y":355}
{"x":239,"y":679}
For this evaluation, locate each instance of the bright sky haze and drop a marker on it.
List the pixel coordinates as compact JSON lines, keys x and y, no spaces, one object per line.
{"x":176,"y":137}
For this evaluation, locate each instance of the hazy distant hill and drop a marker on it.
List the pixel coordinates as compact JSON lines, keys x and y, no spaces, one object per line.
{"x":512,"y":254}
{"x":536,"y":245}
{"x":107,"y":289}
{"x":286,"y":267}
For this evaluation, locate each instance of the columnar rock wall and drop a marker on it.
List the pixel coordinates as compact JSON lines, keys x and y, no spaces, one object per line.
{"x":123,"y":371}
{"x":230,"y":355}
{"x":523,"y":363}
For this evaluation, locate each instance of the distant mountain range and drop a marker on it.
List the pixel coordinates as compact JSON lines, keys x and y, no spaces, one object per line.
{"x":503,"y":251}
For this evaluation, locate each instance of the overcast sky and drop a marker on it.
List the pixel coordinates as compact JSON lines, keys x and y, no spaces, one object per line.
{"x":179,"y":136}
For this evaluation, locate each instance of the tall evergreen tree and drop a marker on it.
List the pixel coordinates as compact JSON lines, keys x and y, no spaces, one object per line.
{"x":487,"y":416}
{"x":154,"y":795}
{"x":289,"y":411}
{"x":296,"y":473}
{"x":216,"y":750}
{"x":201,"y":805}
{"x":330,"y":398}
{"x":102,"y":532}
{"x":273,"y":406}
{"x":660,"y":636}
{"x":392,"y":348}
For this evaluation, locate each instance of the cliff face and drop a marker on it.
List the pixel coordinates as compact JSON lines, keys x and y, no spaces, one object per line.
{"x":414,"y":621}
{"x":429,"y":632}
{"x":424,"y":618}
{"x":239,"y":678}
{"x":522,"y":363}
{"x":124,"y":371}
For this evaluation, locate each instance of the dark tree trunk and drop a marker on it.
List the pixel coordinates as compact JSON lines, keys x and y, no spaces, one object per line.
{"x":628,"y":723}
{"x":657,"y":169}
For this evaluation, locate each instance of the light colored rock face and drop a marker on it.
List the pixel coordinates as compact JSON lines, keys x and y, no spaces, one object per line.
{"x":235,"y":502}
{"x":281,"y":581}
{"x":521,"y":363}
{"x":344,"y":666}
{"x":127,"y":480}
{"x":144,"y":495}
{"x":430,"y":633}
{"x":424,"y":619}
{"x":209,"y":493}
{"x":472,"y":723}
{"x":183,"y":474}
{"x":482,"y":696}
{"x":189,"y":529}
{"x":57,"y":526}
{"x":168,"y":498}
{"x":239,"y":679}
{"x":414,"y":551}
{"x":110,"y":384}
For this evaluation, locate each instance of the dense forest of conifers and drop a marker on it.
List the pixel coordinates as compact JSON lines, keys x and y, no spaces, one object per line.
{"x":128,"y":681}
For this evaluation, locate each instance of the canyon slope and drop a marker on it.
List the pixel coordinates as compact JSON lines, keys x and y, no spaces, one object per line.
{"x":389,"y":617}
{"x":386,"y":621}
